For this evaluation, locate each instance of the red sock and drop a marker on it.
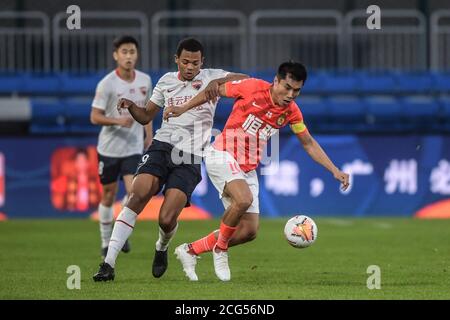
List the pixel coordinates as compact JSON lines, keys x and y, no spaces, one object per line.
{"x":204,"y":244}
{"x":225,"y":234}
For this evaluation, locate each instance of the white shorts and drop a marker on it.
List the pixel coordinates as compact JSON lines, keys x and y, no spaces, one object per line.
{"x":223,"y":168}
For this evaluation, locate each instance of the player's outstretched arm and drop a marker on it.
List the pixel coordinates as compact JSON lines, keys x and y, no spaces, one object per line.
{"x":316,"y":152}
{"x":98,"y":118}
{"x":201,"y":98}
{"x":141,"y":115}
{"x":216,"y":88}
{"x":212,"y":89}
{"x":148,"y":135}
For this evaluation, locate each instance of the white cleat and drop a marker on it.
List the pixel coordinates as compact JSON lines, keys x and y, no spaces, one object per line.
{"x":221,"y":264}
{"x":188,"y":261}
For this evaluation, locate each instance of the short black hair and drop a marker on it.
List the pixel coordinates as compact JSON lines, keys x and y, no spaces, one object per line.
{"x":189,"y":44}
{"x":124,"y":39}
{"x":296,"y":70}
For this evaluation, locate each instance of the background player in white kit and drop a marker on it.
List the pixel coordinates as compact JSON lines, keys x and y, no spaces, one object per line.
{"x":173,"y":161}
{"x":121,"y":140}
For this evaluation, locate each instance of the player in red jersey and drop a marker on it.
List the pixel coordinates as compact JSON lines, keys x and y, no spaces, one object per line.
{"x":259,"y":111}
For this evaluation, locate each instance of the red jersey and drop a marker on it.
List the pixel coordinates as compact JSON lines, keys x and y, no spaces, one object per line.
{"x":254,"y":119}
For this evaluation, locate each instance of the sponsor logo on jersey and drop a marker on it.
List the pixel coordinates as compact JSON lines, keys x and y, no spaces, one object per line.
{"x":143,"y":90}
{"x":178,"y":101}
{"x":197,"y":84}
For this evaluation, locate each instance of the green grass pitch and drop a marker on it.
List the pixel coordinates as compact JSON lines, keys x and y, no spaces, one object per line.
{"x":413,"y":256}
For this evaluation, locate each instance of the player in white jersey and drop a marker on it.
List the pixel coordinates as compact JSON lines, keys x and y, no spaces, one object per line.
{"x":174,"y":158}
{"x":121,"y":139}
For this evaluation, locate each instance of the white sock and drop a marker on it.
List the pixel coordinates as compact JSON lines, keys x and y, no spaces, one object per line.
{"x":164,"y":238}
{"x":122,"y":230}
{"x":105,"y":217}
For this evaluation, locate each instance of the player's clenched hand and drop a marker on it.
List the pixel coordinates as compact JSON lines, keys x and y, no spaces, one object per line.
{"x":123,"y":103}
{"x":125,"y":122}
{"x":343,"y":178}
{"x":212,"y":91}
{"x":171,"y":112}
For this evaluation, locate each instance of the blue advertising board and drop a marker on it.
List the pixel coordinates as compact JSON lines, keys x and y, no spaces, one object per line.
{"x":390,"y":175}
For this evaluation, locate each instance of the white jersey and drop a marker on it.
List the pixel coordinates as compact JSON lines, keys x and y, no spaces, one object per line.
{"x":117,"y":141}
{"x":190,"y":132}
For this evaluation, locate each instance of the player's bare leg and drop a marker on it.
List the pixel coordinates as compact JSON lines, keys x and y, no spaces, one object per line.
{"x":241,"y":200}
{"x":128,"y":181}
{"x":174,"y":202}
{"x":236,"y":227}
{"x":144,"y":186}
{"x":106,"y":215}
{"x":246,"y":230}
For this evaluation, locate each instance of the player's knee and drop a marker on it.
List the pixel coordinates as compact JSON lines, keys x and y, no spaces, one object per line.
{"x":244,"y":203}
{"x":108,"y":197}
{"x":167,"y":222}
{"x":137,"y":201}
{"x":107,"y":201}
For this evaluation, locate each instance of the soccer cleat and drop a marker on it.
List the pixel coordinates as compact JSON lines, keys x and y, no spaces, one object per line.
{"x":159,"y":263}
{"x":126,"y":247}
{"x":104,"y":252}
{"x":187,"y":260}
{"x":105,"y":273}
{"x":221,"y":264}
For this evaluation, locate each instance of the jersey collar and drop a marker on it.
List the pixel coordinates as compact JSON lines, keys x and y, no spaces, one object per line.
{"x":118,"y":74}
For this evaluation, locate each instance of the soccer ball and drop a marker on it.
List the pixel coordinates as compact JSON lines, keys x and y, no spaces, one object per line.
{"x":300,"y":231}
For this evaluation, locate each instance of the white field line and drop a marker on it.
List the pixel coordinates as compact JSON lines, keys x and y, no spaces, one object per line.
{"x":338,"y":222}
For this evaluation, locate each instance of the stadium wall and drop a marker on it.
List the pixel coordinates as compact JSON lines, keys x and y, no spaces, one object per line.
{"x":393,"y":175}
{"x":51,"y":6}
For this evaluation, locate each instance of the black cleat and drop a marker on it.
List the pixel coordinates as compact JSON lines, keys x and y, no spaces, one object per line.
{"x":126,"y":247}
{"x":105,"y":273}
{"x":104,"y":252}
{"x":159,"y":263}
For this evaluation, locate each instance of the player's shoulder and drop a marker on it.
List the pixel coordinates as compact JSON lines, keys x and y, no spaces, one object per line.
{"x":253,"y":84}
{"x":169,"y":75}
{"x":260,"y":83}
{"x":108,"y":79}
{"x":294,"y":106}
{"x":295,"y":109}
{"x":142,"y":75}
{"x":210,"y":72}
{"x":168,"y":78}
{"x":111,"y":76}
